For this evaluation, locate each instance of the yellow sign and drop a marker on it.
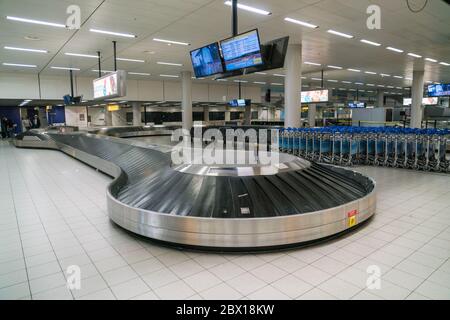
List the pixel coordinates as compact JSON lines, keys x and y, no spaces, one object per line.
{"x":352,"y":221}
{"x":113,"y":107}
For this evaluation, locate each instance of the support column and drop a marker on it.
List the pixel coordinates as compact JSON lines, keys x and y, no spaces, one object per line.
{"x":205,"y":114}
{"x":186,"y":102}
{"x":417,"y":97}
{"x":108,"y":118}
{"x":380,"y":99}
{"x":293,"y":85}
{"x":312,"y":111}
{"x":137,"y":115}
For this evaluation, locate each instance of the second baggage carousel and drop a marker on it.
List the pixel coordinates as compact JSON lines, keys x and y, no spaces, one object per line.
{"x":237,"y":208}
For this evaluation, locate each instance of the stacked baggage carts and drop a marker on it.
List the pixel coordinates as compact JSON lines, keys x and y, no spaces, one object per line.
{"x":418,"y":149}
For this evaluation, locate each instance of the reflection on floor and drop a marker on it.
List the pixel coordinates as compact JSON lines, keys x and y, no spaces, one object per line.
{"x":52,"y":215}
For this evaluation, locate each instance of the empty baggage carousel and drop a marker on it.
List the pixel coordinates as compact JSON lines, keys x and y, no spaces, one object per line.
{"x":239,"y":208}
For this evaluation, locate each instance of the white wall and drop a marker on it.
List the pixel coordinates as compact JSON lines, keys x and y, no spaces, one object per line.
{"x":26,"y":86}
{"x":75,"y":116}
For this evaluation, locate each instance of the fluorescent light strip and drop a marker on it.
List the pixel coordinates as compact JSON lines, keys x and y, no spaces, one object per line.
{"x":316,"y":79}
{"x":103,"y":71}
{"x":335,"y":67}
{"x":408,"y":78}
{"x":276,"y":84}
{"x":312,"y":63}
{"x":19,"y":65}
{"x":51,"y":24}
{"x":431,"y":60}
{"x":65,"y":68}
{"x":304,"y":77}
{"x":222,"y":80}
{"x":398,"y":77}
{"x":248,"y":8}
{"x":119,"y":34}
{"x":376,"y":44}
{"x":81,"y":55}
{"x":261,"y":73}
{"x":171,"y":42}
{"x":370,"y":85}
{"x":331,"y":80}
{"x":139,"y":73}
{"x":385,"y":75}
{"x":24,"y":49}
{"x":400,"y":88}
{"x":279,"y":75}
{"x":341,"y":34}
{"x":170,"y":64}
{"x":169,"y":76}
{"x":302,"y":23}
{"x":359,"y":83}
{"x":131,"y":60}
{"x":390,"y":87}
{"x":259,"y":82}
{"x":241,"y":81}
{"x":370,"y":72}
{"x":414,"y":55}
{"x":395,"y":49}
{"x":444,"y":63}
{"x":348,"y":82}
{"x":354,"y":70}
{"x":381,"y":86}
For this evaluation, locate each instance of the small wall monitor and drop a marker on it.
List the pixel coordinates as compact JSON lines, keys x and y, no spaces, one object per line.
{"x":240,"y":103}
{"x":439,"y":90}
{"x":206,"y":61}
{"x":242,"y":51}
{"x":112,"y":85}
{"x":315,"y":96}
{"x":356,"y":104}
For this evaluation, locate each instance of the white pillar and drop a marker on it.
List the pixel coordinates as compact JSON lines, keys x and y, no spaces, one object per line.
{"x":137,"y":115}
{"x":293,"y":85}
{"x":205,"y":114}
{"x":108,"y":118}
{"x":227,"y":114}
{"x":186,"y":102}
{"x":417,"y":97}
{"x":312,"y":110}
{"x":380,"y":99}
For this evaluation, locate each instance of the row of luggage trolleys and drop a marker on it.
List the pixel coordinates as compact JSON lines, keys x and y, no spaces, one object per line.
{"x":419,"y":149}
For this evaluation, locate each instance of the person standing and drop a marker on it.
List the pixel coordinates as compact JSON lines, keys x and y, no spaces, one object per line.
{"x":4,"y":123}
{"x":36,"y":122}
{"x":26,"y":124}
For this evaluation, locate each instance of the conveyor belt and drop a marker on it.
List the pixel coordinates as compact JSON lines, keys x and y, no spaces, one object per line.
{"x":154,"y":199}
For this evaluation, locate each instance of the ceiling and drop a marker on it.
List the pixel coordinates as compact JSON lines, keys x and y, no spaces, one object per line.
{"x":200,"y":22}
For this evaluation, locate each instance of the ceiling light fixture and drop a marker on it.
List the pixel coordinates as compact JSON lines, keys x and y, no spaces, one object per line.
{"x":316,"y":79}
{"x":171,"y":42}
{"x":139,"y":73}
{"x":279,"y":75}
{"x":170,"y":64}
{"x":312,"y":63}
{"x":335,"y":67}
{"x":370,"y":72}
{"x":414,"y":55}
{"x":248,"y":8}
{"x":241,"y":81}
{"x":119,"y":34}
{"x":51,"y":24}
{"x":354,"y":70}
{"x":25,"y":49}
{"x":359,"y":83}
{"x":168,"y":76}
{"x":347,"y":82}
{"x":261,"y":73}
{"x":331,"y":80}
{"x":398,"y":77}
{"x":302,"y":23}
{"x":65,"y":68}
{"x":395,"y":49}
{"x":376,"y":44}
{"x":19,"y":65}
{"x":341,"y":34}
{"x":431,"y":60}
{"x":370,"y":85}
{"x":385,"y":75}
{"x":81,"y":55}
{"x":131,"y":60}
{"x":276,"y":84}
{"x":445,"y":64}
{"x":259,"y":82}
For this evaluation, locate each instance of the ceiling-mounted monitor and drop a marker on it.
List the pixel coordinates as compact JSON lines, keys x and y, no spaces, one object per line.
{"x":240,"y":103}
{"x":207,"y":61}
{"x":242,"y":51}
{"x":430,"y":101}
{"x":113,"y":85}
{"x":439,"y":90}
{"x":315,"y":96}
{"x":356,"y":105}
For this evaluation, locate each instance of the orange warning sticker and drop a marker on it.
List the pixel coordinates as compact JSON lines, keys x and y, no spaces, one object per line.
{"x":352,"y":213}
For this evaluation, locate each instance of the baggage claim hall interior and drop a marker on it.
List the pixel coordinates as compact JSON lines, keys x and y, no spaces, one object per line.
{"x":225,"y":150}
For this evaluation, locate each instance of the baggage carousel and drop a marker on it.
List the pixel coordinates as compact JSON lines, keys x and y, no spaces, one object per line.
{"x":227,"y":208}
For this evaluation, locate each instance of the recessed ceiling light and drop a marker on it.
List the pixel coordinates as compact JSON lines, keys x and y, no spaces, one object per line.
{"x":398,"y":77}
{"x":348,"y":82}
{"x":395,"y":49}
{"x":359,"y":83}
{"x":316,"y":79}
{"x":354,"y":70}
{"x":302,"y":23}
{"x":341,"y":34}
{"x":248,"y":8}
{"x":103,"y":71}
{"x":331,"y":80}
{"x":431,"y":60}
{"x":261,"y":73}
{"x":65,"y":68}
{"x":51,"y":24}
{"x":19,"y":65}
{"x":259,"y":82}
{"x":276,"y":84}
{"x":335,"y":67}
{"x":385,"y":75}
{"x":351,"y":89}
{"x":119,"y":34}
{"x":25,"y":49}
{"x":380,"y":85}
{"x":390,"y":87}
{"x":131,"y":60}
{"x":139,"y":73}
{"x":370,"y":72}
{"x":400,"y":88}
{"x":170,"y":64}
{"x":171,"y":42}
{"x":81,"y":55}
{"x":242,"y":81}
{"x":370,"y":85}
{"x":168,"y":76}
{"x":279,"y":75}
{"x":343,"y":89}
{"x":445,"y":64}
{"x":376,"y":44}
{"x":414,"y":55}
{"x":312,"y":63}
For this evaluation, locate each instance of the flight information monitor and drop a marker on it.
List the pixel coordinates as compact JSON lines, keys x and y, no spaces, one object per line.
{"x":206,"y":61}
{"x":242,"y":51}
{"x":439,"y":90}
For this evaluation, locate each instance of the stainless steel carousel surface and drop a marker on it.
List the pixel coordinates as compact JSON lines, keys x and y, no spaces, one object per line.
{"x":237,"y":208}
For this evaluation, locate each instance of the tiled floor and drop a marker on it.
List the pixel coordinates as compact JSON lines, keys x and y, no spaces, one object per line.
{"x":52,"y":215}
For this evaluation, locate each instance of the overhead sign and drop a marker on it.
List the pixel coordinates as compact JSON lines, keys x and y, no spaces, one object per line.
{"x":315,"y":96}
{"x":430,"y":101}
{"x":113,"y":85}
